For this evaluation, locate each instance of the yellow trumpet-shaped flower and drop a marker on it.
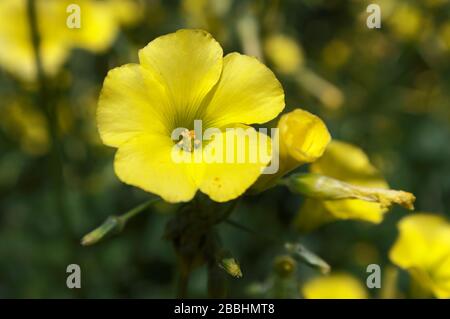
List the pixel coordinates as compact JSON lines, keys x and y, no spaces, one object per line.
{"x":302,"y":137}
{"x":349,"y":164}
{"x":423,"y":249}
{"x":182,"y":78}
{"x":335,"y":286}
{"x":99,"y":23}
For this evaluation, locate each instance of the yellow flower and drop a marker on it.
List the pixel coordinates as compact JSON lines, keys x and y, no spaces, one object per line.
{"x":284,"y":52}
{"x":207,"y":14}
{"x":347,"y":163}
{"x":423,"y":249}
{"x":183,"y":77}
{"x":98,"y":28}
{"x":406,"y":21}
{"x":302,"y":138}
{"x":444,"y":36}
{"x":336,"y":53}
{"x":335,"y":286}
{"x":27,"y":125}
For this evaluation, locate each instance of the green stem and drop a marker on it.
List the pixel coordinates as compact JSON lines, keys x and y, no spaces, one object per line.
{"x":183,"y":284}
{"x":123,"y":219}
{"x":44,"y":102}
{"x":114,"y":224}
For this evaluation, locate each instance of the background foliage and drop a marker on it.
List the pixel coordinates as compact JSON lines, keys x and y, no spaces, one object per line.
{"x":389,"y":95}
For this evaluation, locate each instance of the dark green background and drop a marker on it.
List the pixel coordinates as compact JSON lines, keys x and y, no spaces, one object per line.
{"x":396,"y":108}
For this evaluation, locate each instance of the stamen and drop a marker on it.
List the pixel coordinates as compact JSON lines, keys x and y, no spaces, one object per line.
{"x":188,"y":141}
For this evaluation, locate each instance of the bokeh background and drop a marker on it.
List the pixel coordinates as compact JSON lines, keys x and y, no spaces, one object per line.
{"x":386,"y":90}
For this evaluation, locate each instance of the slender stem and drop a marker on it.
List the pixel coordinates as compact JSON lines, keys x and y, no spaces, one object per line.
{"x":114,"y":224}
{"x":44,"y":102}
{"x":135,"y":211}
{"x":183,"y":284}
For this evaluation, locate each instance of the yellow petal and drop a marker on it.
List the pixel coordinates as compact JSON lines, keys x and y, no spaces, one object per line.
{"x":146,"y":162}
{"x":336,"y":286}
{"x":441,"y":286}
{"x":303,"y":138}
{"x":189,"y":63}
{"x":247,"y":92}
{"x":26,"y":123}
{"x":16,"y":54}
{"x":311,"y":215}
{"x":131,"y":102}
{"x":127,"y":12}
{"x":99,"y":26}
{"x":423,"y":248}
{"x":350,"y":164}
{"x":234,"y":175}
{"x":415,"y":239}
{"x":356,"y":209}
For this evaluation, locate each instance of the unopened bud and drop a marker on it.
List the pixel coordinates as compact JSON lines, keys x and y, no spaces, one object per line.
{"x":285,"y":266}
{"x":303,"y":138}
{"x":111,"y":225}
{"x":231,"y":266}
{"x":327,"y":188}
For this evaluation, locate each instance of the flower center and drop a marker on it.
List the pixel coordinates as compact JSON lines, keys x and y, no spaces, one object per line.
{"x":188,"y":141}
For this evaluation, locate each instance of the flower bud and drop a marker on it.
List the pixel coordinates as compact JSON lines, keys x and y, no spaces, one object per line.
{"x":302,"y":139}
{"x":285,"y":266}
{"x":111,"y":225}
{"x":231,"y":266}
{"x":347,"y":186}
{"x":327,"y":188}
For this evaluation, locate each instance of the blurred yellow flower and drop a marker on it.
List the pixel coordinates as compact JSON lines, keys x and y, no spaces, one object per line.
{"x":444,"y":36}
{"x":208,"y":15}
{"x":183,"y":77}
{"x":336,"y":53}
{"x":302,"y":138}
{"x":286,"y":55}
{"x":284,"y":52}
{"x":98,"y":28}
{"x":335,"y":286}
{"x":423,"y":249}
{"x":406,"y":21}
{"x":350,"y":164}
{"x":27,"y":125}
